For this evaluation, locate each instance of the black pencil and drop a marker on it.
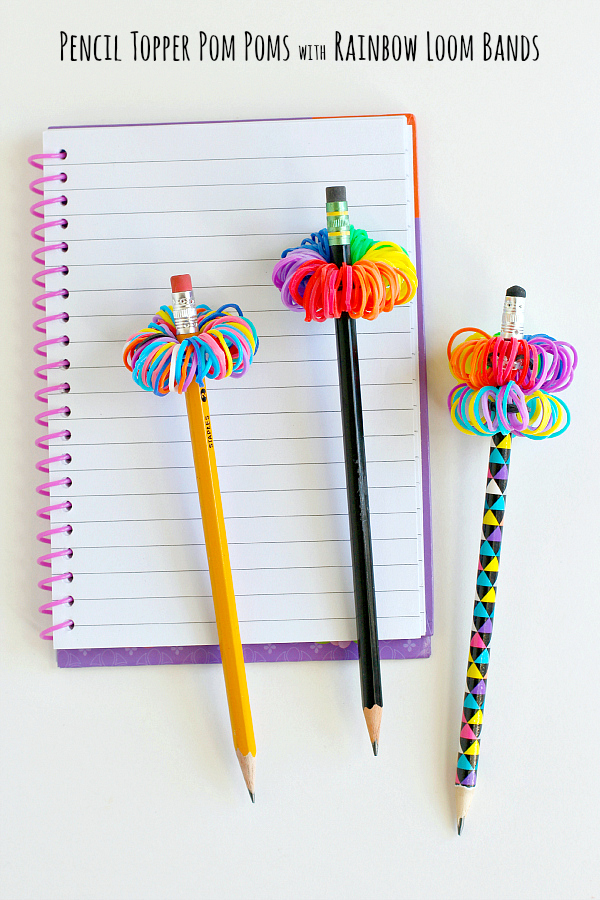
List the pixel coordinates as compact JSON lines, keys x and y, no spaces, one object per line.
{"x":338,"y":228}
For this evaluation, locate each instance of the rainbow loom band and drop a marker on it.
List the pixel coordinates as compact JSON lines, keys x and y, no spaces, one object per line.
{"x":189,"y":367}
{"x":382,"y":277}
{"x":521,"y":416}
{"x":481,"y":423}
{"x":539,"y":415}
{"x":187,"y":372}
{"x":225,"y":349}
{"x":142,"y":366}
{"x":518,"y":419}
{"x":366,"y":290}
{"x":207,"y":318}
{"x":560,"y":374}
{"x":454,"y":413}
{"x":532,"y":362}
{"x":159,"y":362}
{"x":502,"y":364}
{"x":177,"y":364}
{"x":237,"y":327}
{"x":460,"y":411}
{"x":164,"y":317}
{"x":157,"y":369}
{"x":478,"y":401}
{"x":208,"y":356}
{"x":153,"y":361}
{"x":564,"y":413}
{"x":238,"y":343}
{"x":317,"y":244}
{"x":502,"y":407}
{"x":453,"y":394}
{"x":559,"y":421}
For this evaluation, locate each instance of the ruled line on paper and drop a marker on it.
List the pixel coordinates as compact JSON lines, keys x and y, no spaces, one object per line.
{"x":233,"y":209}
{"x":174,"y":237}
{"x":144,"y":187}
{"x":127,"y":162}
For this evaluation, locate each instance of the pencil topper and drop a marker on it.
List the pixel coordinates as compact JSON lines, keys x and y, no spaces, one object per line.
{"x":380,"y":276}
{"x":211,"y":344}
{"x":506,"y":378}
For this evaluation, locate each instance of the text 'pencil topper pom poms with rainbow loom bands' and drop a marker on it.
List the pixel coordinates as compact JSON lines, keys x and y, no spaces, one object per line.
{"x":506,"y":382}
{"x":380,"y":277}
{"x":160,"y":362}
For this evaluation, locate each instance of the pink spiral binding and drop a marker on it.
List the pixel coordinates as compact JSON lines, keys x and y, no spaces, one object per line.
{"x":43,"y":442}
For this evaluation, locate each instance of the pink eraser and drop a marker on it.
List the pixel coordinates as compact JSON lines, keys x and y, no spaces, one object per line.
{"x":180,"y":283}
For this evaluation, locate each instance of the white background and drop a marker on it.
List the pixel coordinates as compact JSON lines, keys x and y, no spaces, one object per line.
{"x":122,"y":783}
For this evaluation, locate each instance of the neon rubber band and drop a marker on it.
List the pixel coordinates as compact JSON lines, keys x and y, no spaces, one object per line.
{"x":161,"y":363}
{"x":379,"y":277}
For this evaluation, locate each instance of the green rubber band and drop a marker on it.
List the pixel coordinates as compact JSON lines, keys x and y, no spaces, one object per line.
{"x":360,"y":242}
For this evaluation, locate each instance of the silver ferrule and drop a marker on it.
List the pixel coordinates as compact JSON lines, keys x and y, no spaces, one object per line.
{"x":184,"y":313}
{"x":513,"y":317}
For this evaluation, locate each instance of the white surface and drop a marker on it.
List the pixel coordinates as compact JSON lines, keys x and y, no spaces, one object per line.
{"x":122,"y":783}
{"x":132,"y":591}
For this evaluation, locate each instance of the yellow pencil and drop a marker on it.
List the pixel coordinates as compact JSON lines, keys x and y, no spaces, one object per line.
{"x":217,"y":551}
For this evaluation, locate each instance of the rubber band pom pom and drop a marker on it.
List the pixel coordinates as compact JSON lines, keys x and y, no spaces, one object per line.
{"x":506,"y":383}
{"x":507,"y":410}
{"x":380,"y":276}
{"x":161,"y":363}
{"x":533,"y":362}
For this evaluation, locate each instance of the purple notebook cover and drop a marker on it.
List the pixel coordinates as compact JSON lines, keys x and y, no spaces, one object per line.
{"x":417,"y":648}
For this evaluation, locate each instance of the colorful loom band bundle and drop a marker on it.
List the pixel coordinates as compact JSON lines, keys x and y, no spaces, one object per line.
{"x":160,"y":362}
{"x":506,"y":384}
{"x":380,"y":277}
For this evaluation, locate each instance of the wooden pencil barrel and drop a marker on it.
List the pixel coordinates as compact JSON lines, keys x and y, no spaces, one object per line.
{"x":219,"y":567}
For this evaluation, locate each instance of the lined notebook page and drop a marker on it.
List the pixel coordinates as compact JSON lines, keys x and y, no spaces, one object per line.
{"x":221,"y":201}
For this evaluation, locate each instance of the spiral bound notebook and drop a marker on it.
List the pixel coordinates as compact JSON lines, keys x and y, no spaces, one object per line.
{"x":125,"y":207}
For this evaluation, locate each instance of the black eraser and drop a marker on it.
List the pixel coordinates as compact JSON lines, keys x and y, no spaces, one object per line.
{"x":335,"y":194}
{"x":515,"y":291}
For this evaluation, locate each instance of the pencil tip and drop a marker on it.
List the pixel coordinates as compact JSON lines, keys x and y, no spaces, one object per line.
{"x":459,"y":824}
{"x":373,"y":720}
{"x":248,"y":767}
{"x":252,"y":795}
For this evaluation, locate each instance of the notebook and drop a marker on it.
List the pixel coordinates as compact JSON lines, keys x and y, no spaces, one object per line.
{"x":126,"y":208}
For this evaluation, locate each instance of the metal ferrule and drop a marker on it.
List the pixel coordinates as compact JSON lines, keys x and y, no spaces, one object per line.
{"x":184,"y":313}
{"x":513,"y":318}
{"x":338,"y":223}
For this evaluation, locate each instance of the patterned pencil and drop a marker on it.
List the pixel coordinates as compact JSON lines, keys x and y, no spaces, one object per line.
{"x":501,"y":394}
{"x":483,"y":620}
